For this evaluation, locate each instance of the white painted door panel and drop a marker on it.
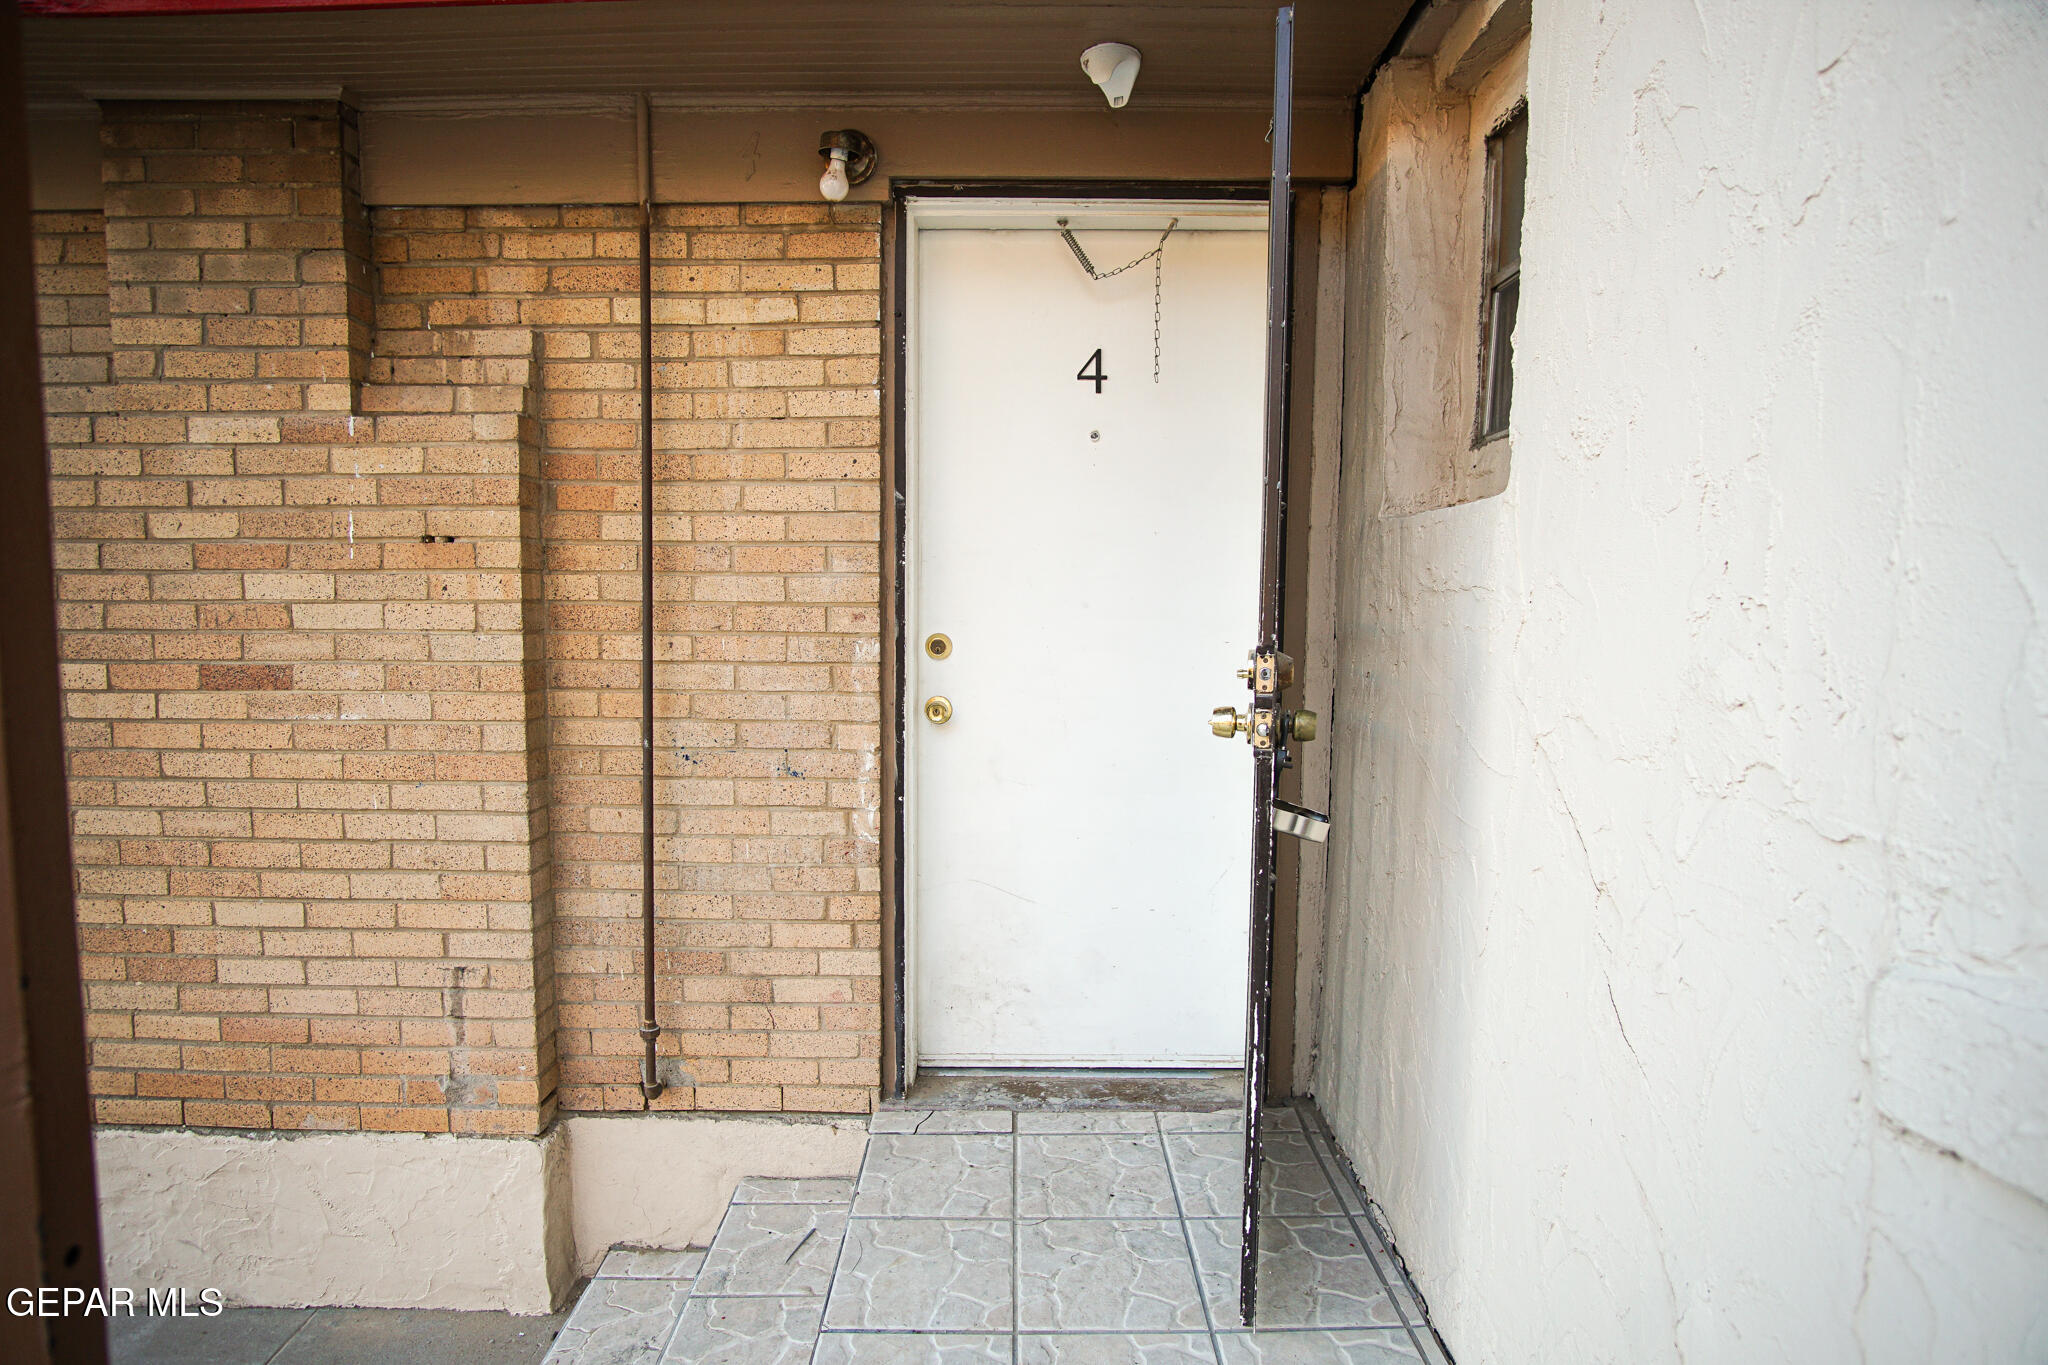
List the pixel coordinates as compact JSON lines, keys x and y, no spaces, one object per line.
{"x":1079,"y":841}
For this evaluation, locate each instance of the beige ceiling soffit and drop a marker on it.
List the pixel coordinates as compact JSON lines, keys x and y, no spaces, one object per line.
{"x":484,"y":106}
{"x":481,"y":106}
{"x":290,"y":94}
{"x":779,"y":101}
{"x":1426,"y":39}
{"x":1481,"y":35}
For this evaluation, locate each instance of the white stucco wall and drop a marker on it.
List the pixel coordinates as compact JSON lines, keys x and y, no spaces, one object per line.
{"x":1687,"y":991}
{"x":406,"y":1221}
{"x":370,"y":1219}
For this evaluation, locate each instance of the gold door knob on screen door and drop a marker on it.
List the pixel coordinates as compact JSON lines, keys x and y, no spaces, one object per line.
{"x":1225,"y":723}
{"x":938,"y":710}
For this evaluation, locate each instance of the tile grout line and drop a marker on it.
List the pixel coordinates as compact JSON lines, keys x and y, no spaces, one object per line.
{"x":690,"y":1294}
{"x":1187,"y":1241}
{"x":1036,"y":1217}
{"x":832,"y":1281}
{"x":1372,"y":1244}
{"x":1016,"y":1239}
{"x":1306,"y":1330}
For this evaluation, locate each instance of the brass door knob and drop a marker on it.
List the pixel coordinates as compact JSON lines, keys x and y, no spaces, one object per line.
{"x":1301,"y":726}
{"x":1225,"y":723}
{"x":938,"y":710}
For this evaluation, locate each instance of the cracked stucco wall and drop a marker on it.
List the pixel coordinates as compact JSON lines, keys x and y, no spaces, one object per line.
{"x":381,"y":1220}
{"x":388,"y":1220}
{"x":1687,"y":990}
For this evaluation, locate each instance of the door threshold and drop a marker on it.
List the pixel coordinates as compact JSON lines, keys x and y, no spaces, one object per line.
{"x":1025,"y":1089}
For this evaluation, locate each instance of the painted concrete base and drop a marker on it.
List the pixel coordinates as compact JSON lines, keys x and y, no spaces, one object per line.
{"x":331,"y":1219}
{"x":406,"y":1221}
{"x":664,"y":1180}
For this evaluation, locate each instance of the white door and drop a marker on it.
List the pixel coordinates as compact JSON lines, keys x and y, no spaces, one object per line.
{"x":1088,"y":541}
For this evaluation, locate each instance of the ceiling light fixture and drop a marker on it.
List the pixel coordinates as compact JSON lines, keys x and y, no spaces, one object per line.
{"x":849,"y":159}
{"x":1114,"y":67}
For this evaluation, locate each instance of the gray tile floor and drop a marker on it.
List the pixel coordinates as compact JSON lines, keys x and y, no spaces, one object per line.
{"x":1033,"y":1238}
{"x":332,"y":1336}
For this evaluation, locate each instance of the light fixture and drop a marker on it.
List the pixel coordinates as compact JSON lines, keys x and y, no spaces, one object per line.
{"x":849,"y":159}
{"x":1114,"y":67}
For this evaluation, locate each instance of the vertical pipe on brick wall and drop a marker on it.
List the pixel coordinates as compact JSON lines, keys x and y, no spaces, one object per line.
{"x":650,"y":1083}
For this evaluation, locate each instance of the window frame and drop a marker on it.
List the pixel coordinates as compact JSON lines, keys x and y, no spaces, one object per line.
{"x":1493,"y":279}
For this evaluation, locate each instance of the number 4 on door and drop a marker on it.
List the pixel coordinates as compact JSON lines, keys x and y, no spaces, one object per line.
{"x":1084,"y":374}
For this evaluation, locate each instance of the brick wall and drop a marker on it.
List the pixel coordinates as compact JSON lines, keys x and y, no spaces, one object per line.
{"x":766,"y":339}
{"x":357,"y":810}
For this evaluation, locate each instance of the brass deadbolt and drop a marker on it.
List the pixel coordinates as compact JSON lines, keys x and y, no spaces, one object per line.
{"x":1271,"y":674}
{"x":1225,"y":723}
{"x":938,"y":710}
{"x":938,"y":646}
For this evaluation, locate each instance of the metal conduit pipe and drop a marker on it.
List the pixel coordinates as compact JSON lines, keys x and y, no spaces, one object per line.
{"x":650,"y":1031}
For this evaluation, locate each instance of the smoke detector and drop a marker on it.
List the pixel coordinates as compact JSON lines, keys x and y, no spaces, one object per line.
{"x":1114,"y":67}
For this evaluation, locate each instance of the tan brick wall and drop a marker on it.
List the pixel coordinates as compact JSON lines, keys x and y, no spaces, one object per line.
{"x":357,"y":813}
{"x":767,"y":437}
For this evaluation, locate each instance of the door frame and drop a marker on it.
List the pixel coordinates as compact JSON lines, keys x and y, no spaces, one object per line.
{"x":914,"y":205}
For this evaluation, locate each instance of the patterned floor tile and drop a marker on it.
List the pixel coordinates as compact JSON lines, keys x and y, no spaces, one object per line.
{"x":744,"y":1332}
{"x":1313,"y":1272}
{"x":941,"y":1121}
{"x":761,"y":1189}
{"x":619,"y":1322}
{"x":1095,"y":1274}
{"x":1208,"y":1172}
{"x":1292,"y":1180}
{"x":1336,"y":1169}
{"x":928,"y":1278}
{"x":1380,"y":1346}
{"x":1116,"y":1348}
{"x":781,"y":1249}
{"x":903,"y":1348}
{"x":1432,"y":1350}
{"x":1093,"y":1175}
{"x":937,"y":1176}
{"x":1088,"y":1121}
{"x":922,"y":1275}
{"x":646,"y":1263}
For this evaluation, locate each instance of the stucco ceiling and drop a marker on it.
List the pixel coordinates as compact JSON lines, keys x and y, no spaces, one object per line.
{"x":1006,"y":53}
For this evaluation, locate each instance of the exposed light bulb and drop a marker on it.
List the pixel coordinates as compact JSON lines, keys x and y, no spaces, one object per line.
{"x":833,"y":183}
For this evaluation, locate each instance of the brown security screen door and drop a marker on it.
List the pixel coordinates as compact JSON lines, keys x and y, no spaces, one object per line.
{"x":1272,"y":672}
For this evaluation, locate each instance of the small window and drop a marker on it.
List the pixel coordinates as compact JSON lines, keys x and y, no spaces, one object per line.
{"x":1507,"y":167}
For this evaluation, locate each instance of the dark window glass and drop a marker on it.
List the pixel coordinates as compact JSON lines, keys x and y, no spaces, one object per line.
{"x":1507,"y":168}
